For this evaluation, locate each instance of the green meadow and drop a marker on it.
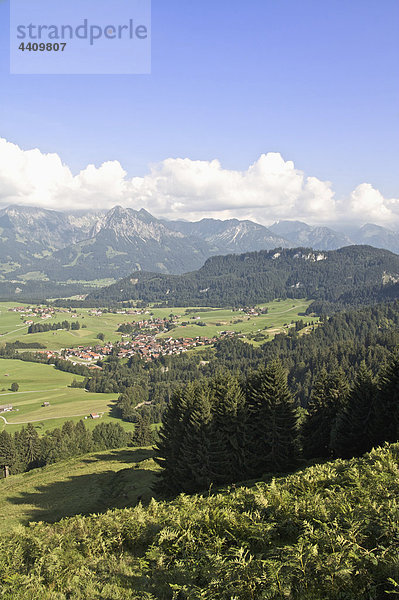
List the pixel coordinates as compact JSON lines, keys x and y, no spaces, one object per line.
{"x":43,"y":383}
{"x":39,"y":383}
{"x":92,"y":483}
{"x":279,"y":317}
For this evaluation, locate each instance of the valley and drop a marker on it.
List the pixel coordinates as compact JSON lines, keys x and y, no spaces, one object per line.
{"x":190,"y":330}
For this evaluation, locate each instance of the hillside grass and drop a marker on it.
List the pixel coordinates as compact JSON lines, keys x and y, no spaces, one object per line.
{"x":328,"y":532}
{"x":88,"y":484}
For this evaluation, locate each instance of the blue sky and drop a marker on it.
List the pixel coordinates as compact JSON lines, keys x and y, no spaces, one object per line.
{"x":317,"y":82}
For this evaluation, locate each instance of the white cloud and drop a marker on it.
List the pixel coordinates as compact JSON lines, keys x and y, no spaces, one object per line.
{"x":269,"y":189}
{"x":366,"y":200}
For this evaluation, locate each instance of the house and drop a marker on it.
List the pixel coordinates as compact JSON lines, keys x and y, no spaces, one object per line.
{"x":6,"y":408}
{"x":94,"y":416}
{"x":46,"y":404}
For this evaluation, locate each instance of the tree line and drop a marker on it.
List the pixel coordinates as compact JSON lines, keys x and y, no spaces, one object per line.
{"x":26,"y":449}
{"x":42,"y":327}
{"x":232,"y":428}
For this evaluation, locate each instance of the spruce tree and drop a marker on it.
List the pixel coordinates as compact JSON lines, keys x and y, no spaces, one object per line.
{"x":172,"y":436}
{"x":328,"y":398}
{"x":388,"y":404}
{"x":355,"y":430}
{"x":7,"y":450}
{"x":272,"y":423}
{"x":142,"y":435}
{"x":197,"y":462}
{"x":27,"y":444}
{"x":83,"y":438}
{"x":229,"y":430}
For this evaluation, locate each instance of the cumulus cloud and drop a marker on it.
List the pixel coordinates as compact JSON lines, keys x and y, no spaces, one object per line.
{"x":366,"y":200}
{"x":270,"y":189}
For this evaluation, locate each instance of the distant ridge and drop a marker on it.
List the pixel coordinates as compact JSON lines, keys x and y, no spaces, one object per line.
{"x":249,"y":278}
{"x":41,"y":249}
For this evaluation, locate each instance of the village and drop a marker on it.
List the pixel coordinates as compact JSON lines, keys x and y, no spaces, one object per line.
{"x":145,"y":346}
{"x":147,"y":338}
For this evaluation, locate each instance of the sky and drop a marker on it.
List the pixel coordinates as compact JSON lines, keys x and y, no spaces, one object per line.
{"x":264,"y":109}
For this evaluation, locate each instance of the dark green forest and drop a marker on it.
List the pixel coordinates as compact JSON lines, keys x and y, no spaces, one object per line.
{"x":351,"y":275}
{"x":226,"y":429}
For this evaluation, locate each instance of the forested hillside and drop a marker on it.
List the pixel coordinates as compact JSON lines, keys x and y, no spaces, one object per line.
{"x":239,"y":280}
{"x":328,"y":532}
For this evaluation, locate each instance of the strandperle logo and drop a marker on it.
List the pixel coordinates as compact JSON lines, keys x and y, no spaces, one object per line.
{"x":73,"y":37}
{"x":85,"y":31}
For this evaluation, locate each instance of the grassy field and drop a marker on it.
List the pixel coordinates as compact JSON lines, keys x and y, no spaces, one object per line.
{"x":278,"y":319}
{"x":92,"y":483}
{"x":43,"y":383}
{"x":280,"y":315}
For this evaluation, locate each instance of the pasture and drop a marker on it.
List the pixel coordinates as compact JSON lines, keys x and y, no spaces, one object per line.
{"x":91,"y":483}
{"x":279,"y":317}
{"x":40,"y":383}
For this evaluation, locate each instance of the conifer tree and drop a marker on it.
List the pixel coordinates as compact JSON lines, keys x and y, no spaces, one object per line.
{"x":27,"y":445}
{"x":172,"y":437}
{"x":197,"y":453}
{"x":7,"y":450}
{"x":355,"y":430}
{"x":388,"y":404}
{"x":142,"y":435}
{"x":273,"y":418}
{"x":328,"y":398}
{"x":228,"y":430}
{"x":83,"y":437}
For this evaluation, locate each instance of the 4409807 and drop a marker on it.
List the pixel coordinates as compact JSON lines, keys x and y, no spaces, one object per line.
{"x":42,"y":47}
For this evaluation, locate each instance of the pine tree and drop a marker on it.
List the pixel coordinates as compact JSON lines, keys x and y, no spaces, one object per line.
{"x":228,"y":430}
{"x":355,"y":430}
{"x":142,"y":435}
{"x":388,"y":404}
{"x":328,"y":398}
{"x":197,"y":472}
{"x":172,"y":437}
{"x":272,"y":421}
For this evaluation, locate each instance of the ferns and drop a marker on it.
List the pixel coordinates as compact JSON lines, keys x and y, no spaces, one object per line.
{"x":330,"y":532}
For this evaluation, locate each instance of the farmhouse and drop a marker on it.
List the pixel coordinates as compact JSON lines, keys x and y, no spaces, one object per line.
{"x":94,"y":416}
{"x":5,"y":408}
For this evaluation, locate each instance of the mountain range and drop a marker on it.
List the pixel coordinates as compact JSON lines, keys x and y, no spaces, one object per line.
{"x":39,"y":245}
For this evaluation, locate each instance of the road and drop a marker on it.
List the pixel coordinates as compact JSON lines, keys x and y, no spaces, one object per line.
{"x":32,"y":392}
{"x":14,"y":330}
{"x":46,"y":419}
{"x":271,"y":314}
